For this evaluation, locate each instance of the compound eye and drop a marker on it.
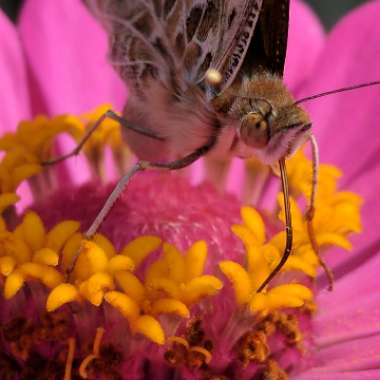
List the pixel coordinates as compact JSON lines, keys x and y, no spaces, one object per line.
{"x":254,"y":130}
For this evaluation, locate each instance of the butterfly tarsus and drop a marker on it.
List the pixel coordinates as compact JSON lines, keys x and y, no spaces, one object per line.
{"x":107,"y":115}
{"x":123,"y":182}
{"x":309,"y":215}
{"x":314,"y":244}
{"x":288,"y":227}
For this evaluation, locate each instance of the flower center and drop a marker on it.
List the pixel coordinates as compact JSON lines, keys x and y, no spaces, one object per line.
{"x":168,"y":287}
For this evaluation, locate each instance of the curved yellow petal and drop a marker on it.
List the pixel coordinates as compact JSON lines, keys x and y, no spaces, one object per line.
{"x":91,"y":259}
{"x":139,"y":248}
{"x":13,"y":283}
{"x":46,"y":256}
{"x":130,"y":285}
{"x":60,"y":233}
{"x":157,"y":269}
{"x":49,"y":276}
{"x":296,"y":290}
{"x":71,"y":248}
{"x":8,"y":199}
{"x":170,"y":306}
{"x":195,"y":260}
{"x":253,"y":220}
{"x":334,"y":239}
{"x":124,"y":304}
{"x":17,"y":248}
{"x":105,"y":244}
{"x":94,"y":288}
{"x":165,"y":285}
{"x":7,"y":265}
{"x":200,"y":287}
{"x":175,"y":262}
{"x":150,"y":328}
{"x":297,"y":216}
{"x":120,"y":262}
{"x":33,"y":231}
{"x":259,"y":303}
{"x":288,"y":295}
{"x":245,"y":235}
{"x":3,"y":226}
{"x":259,"y":259}
{"x":62,"y":294}
{"x":23,"y":172}
{"x":297,"y":263}
{"x":240,"y":280}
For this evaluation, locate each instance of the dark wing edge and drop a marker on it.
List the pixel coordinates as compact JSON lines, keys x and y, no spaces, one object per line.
{"x":267,"y":50}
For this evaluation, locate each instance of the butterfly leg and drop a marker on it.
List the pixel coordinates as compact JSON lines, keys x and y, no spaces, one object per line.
{"x":107,"y":115}
{"x":123,"y":182}
{"x":288,"y":227}
{"x":141,"y":166}
{"x":311,"y":211}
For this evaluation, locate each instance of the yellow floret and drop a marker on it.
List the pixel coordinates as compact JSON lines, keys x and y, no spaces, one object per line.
{"x":126,"y":305}
{"x":170,"y":306}
{"x":139,"y":248}
{"x":240,"y":280}
{"x":151,"y":328}
{"x":60,"y":295}
{"x":195,"y":260}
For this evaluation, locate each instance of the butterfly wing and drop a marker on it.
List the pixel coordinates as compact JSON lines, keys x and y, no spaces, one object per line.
{"x":267,"y":50}
{"x":177,"y":41}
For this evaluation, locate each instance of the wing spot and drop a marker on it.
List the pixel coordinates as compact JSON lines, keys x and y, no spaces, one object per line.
{"x":206,"y":63}
{"x":209,"y":20}
{"x":231,"y":17}
{"x":168,"y":6}
{"x":192,"y":22}
{"x":144,"y":24}
{"x":180,"y":44}
{"x":160,"y":47}
{"x":193,"y":53}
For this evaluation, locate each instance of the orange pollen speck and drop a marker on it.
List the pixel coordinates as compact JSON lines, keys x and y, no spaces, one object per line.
{"x":273,"y":371}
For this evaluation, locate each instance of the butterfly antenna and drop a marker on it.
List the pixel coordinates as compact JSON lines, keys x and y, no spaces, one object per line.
{"x":288,"y":227}
{"x":311,"y":209}
{"x":337,"y":91}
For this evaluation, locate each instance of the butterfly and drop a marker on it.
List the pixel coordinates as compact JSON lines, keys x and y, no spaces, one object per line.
{"x":205,"y":78}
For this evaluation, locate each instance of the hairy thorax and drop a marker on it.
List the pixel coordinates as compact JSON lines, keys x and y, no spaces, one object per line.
{"x":188,"y":121}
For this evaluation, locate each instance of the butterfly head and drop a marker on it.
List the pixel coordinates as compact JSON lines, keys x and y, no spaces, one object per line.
{"x":273,"y":132}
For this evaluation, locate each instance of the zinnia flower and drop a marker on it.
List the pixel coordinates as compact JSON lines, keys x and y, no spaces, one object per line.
{"x":167,"y":288}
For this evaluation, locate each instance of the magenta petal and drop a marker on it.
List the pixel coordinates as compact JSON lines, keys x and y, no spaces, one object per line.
{"x":305,"y":42}
{"x":347,"y":124}
{"x":352,"y":310}
{"x":66,"y":50}
{"x":14,"y":98}
{"x":358,"y":354}
{"x":357,"y":375}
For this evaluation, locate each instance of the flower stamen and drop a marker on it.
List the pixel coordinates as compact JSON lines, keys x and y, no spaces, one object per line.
{"x":94,"y":355}
{"x":200,"y":354}
{"x":69,"y":359}
{"x":315,"y":247}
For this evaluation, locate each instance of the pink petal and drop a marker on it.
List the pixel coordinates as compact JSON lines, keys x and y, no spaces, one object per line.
{"x":357,"y":375}
{"x":356,"y":355}
{"x":306,"y":34}
{"x":14,"y":97}
{"x":346,"y":124}
{"x":352,"y":309}
{"x":66,"y":50}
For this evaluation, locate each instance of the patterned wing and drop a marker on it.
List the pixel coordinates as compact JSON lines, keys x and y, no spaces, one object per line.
{"x":267,"y":50}
{"x":139,"y":44}
{"x":176,"y":41}
{"x":237,"y":25}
